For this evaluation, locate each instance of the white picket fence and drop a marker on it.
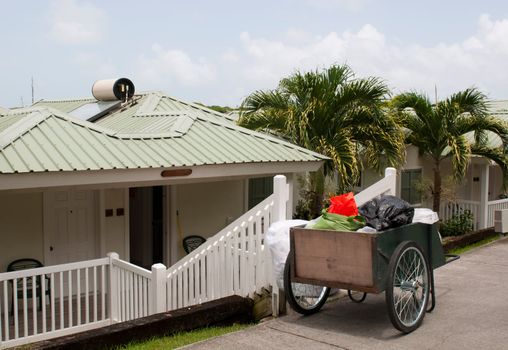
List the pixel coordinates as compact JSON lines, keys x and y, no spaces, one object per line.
{"x":77,"y":301}
{"x":95,"y":293}
{"x":131,"y":290}
{"x":450,"y":208}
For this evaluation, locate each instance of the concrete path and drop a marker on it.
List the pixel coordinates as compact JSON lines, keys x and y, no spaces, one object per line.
{"x":471,"y":313}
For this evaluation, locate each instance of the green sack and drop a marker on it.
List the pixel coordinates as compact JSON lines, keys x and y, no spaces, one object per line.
{"x":337,"y":222}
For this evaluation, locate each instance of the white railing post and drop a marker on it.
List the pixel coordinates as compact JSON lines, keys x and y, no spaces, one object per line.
{"x":387,"y":185}
{"x":280,"y":191}
{"x":281,"y":196}
{"x":158,"y":297}
{"x":113,"y":288}
{"x":484,"y":196}
{"x":391,"y":173}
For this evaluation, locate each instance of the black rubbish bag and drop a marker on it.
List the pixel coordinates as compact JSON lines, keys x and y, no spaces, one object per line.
{"x":386,"y":212}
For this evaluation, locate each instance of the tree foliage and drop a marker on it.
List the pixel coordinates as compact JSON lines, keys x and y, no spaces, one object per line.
{"x":333,"y":113}
{"x":455,"y":128}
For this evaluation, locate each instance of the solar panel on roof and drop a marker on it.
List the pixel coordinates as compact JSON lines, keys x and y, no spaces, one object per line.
{"x":94,"y":110}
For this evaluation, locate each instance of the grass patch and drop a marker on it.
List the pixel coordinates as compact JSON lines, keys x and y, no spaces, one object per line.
{"x":181,"y":339}
{"x":460,"y":250}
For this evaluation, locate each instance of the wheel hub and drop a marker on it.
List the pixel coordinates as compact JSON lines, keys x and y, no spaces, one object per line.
{"x":410,"y":286}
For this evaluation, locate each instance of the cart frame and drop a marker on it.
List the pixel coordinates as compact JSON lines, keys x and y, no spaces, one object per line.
{"x":361,"y":261}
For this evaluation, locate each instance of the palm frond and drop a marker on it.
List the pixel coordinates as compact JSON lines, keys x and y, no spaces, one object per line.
{"x":460,"y":153}
{"x":467,"y":124}
{"x":263,"y":100}
{"x":470,"y":101}
{"x":342,"y":152}
{"x":496,"y":155}
{"x":418,"y":102}
{"x":332,"y":112}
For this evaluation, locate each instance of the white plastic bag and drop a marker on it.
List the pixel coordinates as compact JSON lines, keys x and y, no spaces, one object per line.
{"x":277,"y":240}
{"x":425,"y":216}
{"x":367,"y":229}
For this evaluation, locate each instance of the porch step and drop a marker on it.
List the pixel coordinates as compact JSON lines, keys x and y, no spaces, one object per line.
{"x":262,"y":304}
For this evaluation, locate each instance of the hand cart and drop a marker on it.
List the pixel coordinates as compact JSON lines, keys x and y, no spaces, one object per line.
{"x":399,"y":261}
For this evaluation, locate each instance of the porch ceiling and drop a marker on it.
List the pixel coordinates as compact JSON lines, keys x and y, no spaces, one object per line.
{"x":146,"y":177}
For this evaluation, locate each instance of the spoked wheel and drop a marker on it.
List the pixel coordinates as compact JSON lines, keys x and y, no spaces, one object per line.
{"x":407,"y":291}
{"x":305,"y":299}
{"x":356,"y":298}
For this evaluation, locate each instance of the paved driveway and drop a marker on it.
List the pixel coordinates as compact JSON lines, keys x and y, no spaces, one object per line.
{"x":471,"y":313}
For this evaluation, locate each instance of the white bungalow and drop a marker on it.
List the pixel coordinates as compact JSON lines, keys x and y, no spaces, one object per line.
{"x":481,"y":191}
{"x":132,"y":174}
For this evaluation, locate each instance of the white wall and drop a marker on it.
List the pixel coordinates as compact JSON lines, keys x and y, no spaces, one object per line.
{"x":21,"y":234}
{"x":468,"y":188}
{"x":116,"y":227}
{"x":413,"y":159}
{"x":495,"y":182}
{"x":205,"y":208}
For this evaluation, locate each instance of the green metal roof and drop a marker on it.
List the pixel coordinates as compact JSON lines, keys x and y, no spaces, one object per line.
{"x":145,"y":103}
{"x":7,"y":120}
{"x":154,"y":131}
{"x":64,"y":105}
{"x":499,"y":110}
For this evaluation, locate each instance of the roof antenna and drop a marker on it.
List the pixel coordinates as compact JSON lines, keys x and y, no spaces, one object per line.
{"x":33,"y":90}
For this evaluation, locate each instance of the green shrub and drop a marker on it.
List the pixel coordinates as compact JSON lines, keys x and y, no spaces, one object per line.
{"x":459,"y":224}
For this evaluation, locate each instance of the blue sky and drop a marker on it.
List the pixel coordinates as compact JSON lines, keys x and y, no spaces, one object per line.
{"x":217,"y":52}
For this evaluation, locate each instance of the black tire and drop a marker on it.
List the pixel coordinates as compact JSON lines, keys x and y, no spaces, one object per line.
{"x":304,"y":305}
{"x":407,"y":291}
{"x":354,"y":298}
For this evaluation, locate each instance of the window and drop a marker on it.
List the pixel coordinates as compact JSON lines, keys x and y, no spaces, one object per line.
{"x":408,"y":190}
{"x":259,"y":189}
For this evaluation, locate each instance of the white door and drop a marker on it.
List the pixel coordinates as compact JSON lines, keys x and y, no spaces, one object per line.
{"x":69,"y":226}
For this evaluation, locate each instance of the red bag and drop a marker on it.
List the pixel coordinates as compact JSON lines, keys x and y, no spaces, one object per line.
{"x":344,"y":205}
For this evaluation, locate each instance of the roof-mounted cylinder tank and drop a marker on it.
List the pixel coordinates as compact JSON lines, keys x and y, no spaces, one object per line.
{"x":113,"y":89}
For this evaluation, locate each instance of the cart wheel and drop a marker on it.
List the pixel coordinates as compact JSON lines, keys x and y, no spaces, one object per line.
{"x":407,"y":291}
{"x":354,"y":298}
{"x":305,"y":299}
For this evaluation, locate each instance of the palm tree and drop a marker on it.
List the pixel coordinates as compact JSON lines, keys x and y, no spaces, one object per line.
{"x":330,"y":112}
{"x":454,"y":129}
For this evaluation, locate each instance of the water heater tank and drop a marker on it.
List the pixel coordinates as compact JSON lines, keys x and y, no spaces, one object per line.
{"x":113,"y":89}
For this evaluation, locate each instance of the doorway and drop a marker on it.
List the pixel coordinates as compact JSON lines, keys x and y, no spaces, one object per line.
{"x":69,"y":226}
{"x":146,"y":225}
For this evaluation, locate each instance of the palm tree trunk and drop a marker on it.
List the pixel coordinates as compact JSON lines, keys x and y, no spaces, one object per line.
{"x":317,"y":190}
{"x":437,"y":188}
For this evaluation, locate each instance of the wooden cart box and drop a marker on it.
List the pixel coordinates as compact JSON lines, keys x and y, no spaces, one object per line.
{"x":354,"y":260}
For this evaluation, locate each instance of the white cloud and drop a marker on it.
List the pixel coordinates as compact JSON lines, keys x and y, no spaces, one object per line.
{"x":174,"y":66}
{"x":477,"y":60}
{"x":73,"y":22}
{"x":230,"y":55}
{"x":259,"y":63}
{"x":96,"y":65}
{"x":297,"y":36}
{"x":352,"y":5}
